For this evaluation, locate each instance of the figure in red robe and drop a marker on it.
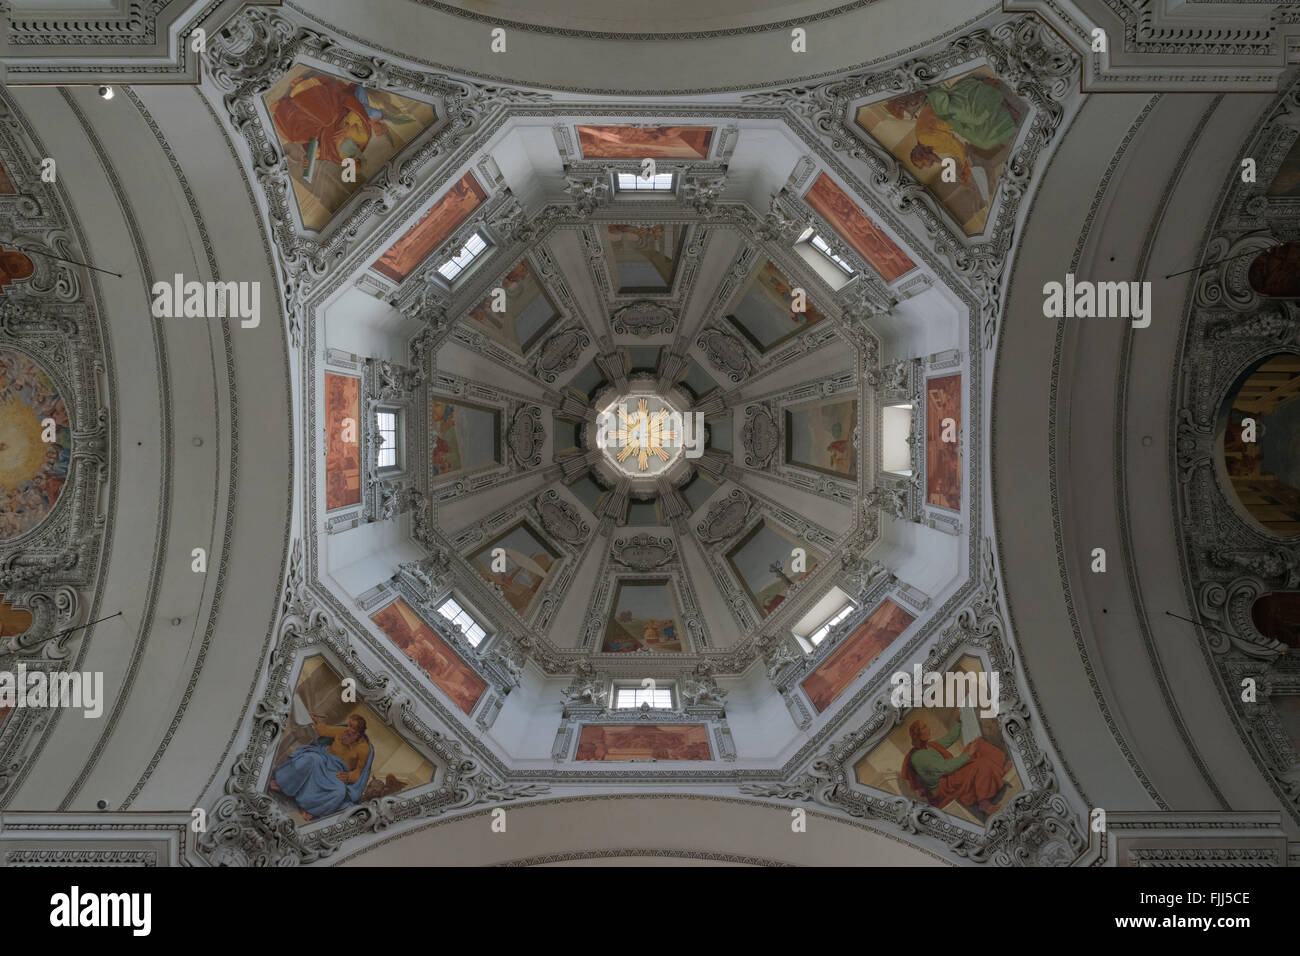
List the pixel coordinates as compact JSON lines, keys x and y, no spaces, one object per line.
{"x":330,"y":112}
{"x":973,"y":778}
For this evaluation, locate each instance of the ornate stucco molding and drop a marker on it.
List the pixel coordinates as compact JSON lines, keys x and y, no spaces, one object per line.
{"x":53,"y":569}
{"x":126,"y":41}
{"x":250,"y":56}
{"x":1184,"y":47}
{"x":1021,"y":52}
{"x":248,"y":827}
{"x":1229,"y":560}
{"x":1039,"y":826}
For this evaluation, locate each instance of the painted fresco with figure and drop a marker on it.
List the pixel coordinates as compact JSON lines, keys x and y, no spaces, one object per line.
{"x":644,"y":742}
{"x":645,"y":142}
{"x":855,"y":654}
{"x":342,"y":441}
{"x":6,"y":184}
{"x":763,"y":310}
{"x":528,"y":562}
{"x":418,"y":641}
{"x":335,"y":754}
{"x":643,"y":617}
{"x":529,"y":312}
{"x":964,"y":768}
{"x":33,"y":471}
{"x":429,"y":232}
{"x":764,"y":561}
{"x":943,"y":458}
{"x":465,"y":437}
{"x":321,"y":120}
{"x":973,"y":119}
{"x":854,"y":227}
{"x":643,"y":258}
{"x":820,"y":437}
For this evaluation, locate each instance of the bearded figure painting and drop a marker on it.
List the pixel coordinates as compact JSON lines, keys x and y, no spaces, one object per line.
{"x":948,"y":757}
{"x":336,"y":754}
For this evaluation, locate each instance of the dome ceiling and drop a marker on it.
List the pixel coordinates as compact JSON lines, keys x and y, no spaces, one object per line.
{"x":514,"y":285}
{"x":563,"y":500}
{"x":631,"y":443}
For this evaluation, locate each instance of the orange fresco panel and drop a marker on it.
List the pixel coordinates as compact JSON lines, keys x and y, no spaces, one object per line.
{"x":443,"y":218}
{"x":843,"y":215}
{"x":343,"y":441}
{"x":645,"y":142}
{"x":943,"y":459}
{"x":435,"y":656}
{"x":641,"y":742}
{"x":855,"y":654}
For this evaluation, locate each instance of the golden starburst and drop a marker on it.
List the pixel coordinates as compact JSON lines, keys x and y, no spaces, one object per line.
{"x":643,"y":434}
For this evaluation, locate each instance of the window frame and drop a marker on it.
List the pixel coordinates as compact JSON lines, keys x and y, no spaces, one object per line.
{"x":635,"y":192}
{"x":471,"y":264}
{"x":399,"y":435}
{"x":468,"y":611}
{"x":633,"y":686}
{"x":813,"y":239}
{"x":824,"y":629}
{"x":837,"y":615}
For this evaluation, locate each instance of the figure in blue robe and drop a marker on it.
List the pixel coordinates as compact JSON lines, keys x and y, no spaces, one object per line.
{"x":329,"y":773}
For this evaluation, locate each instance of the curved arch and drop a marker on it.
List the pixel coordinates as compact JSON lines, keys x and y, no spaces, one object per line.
{"x":683,"y":827}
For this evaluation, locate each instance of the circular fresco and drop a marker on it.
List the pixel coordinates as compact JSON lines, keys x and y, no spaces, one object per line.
{"x":35,"y":444}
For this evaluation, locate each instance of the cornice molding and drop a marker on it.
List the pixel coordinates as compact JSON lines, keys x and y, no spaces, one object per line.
{"x":133,"y":41}
{"x":1228,"y":560}
{"x":1175,"y":47}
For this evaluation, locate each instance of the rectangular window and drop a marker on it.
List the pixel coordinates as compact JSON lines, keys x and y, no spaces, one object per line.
{"x":629,"y":697}
{"x":896,"y":439}
{"x":819,"y":635}
{"x":472,"y":249}
{"x":456,"y":614}
{"x":821,"y":246}
{"x":387,"y":439}
{"x":658,"y":183}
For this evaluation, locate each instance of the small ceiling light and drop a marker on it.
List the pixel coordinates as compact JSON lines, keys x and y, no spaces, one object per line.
{"x":106,"y":92}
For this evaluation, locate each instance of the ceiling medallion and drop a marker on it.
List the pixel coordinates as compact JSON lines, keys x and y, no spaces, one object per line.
{"x":644,"y":435}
